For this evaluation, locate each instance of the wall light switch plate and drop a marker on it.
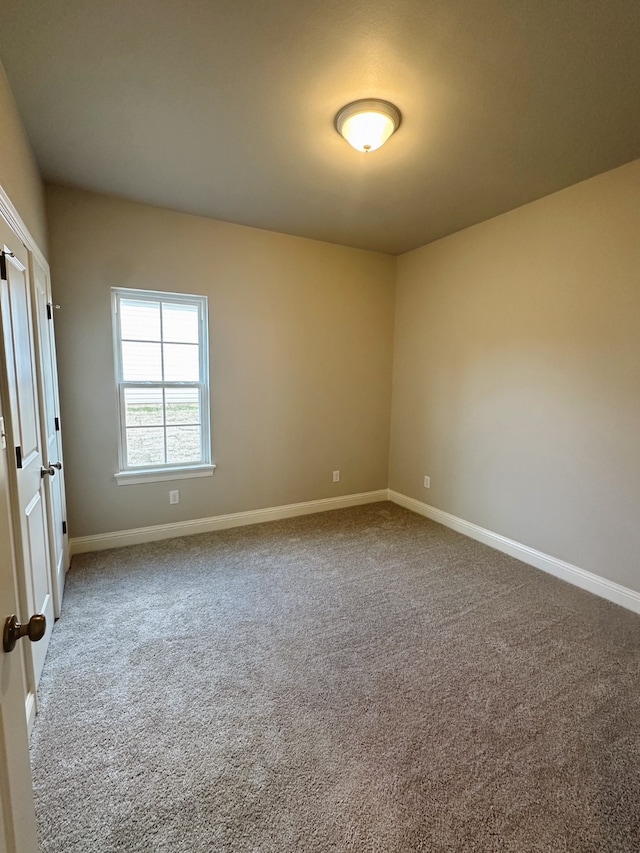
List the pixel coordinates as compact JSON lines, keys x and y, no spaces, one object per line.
{"x":336,"y":476}
{"x":427,"y":482}
{"x":174,"y":496}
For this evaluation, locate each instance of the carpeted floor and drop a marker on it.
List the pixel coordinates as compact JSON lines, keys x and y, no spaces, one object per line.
{"x":361,"y":680}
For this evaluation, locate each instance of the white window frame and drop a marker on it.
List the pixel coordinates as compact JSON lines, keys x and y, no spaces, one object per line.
{"x":129,"y":475}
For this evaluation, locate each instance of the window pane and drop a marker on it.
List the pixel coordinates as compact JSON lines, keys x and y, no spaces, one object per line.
{"x":145,"y":446}
{"x":182,"y":406}
{"x":143,"y":406}
{"x":140,"y":320}
{"x":141,"y":361}
{"x":180,"y":323}
{"x":183,"y":444}
{"x":181,"y":363}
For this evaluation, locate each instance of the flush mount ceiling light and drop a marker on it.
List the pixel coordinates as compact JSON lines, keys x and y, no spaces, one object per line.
{"x":367,"y":124}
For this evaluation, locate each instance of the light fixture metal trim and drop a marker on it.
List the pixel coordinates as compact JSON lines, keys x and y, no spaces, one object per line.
{"x":376,"y":106}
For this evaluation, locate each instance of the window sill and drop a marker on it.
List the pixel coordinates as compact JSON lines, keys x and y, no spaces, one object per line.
{"x":131,"y":478}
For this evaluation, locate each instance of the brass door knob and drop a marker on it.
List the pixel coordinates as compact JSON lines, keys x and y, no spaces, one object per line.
{"x":34,"y":629}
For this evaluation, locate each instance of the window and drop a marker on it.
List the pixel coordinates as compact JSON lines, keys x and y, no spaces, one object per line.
{"x":161,"y":360}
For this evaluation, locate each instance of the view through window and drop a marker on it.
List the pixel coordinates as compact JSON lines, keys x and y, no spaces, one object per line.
{"x":162,"y":377}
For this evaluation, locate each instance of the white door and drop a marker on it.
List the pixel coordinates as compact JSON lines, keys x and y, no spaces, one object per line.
{"x":17,"y":821}
{"x":24,"y":449}
{"x":50,"y":429}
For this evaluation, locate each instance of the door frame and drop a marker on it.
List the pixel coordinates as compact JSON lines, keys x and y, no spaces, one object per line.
{"x":14,"y":221}
{"x":17,"y":814}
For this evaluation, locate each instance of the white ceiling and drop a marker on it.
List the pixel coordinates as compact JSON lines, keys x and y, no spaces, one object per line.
{"x":225,"y":108}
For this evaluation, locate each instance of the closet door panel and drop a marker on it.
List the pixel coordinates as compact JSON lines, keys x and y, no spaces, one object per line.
{"x":44,"y":315}
{"x":25,"y":452}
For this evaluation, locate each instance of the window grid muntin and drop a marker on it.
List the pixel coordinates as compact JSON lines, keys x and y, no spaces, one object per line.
{"x":200,"y":302}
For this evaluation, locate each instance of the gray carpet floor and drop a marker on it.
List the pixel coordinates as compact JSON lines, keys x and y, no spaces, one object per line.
{"x":361,"y":680}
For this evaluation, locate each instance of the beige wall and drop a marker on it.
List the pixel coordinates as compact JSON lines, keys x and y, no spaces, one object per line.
{"x":19,"y":176}
{"x":517,"y":375}
{"x":301,"y":359}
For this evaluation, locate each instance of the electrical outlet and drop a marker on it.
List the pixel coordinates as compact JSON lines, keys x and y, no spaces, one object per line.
{"x":336,"y":476}
{"x":427,"y":482}
{"x":174,"y":496}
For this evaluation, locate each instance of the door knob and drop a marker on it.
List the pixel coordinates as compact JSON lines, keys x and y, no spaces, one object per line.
{"x":57,"y":465}
{"x":34,"y":629}
{"x":50,"y":470}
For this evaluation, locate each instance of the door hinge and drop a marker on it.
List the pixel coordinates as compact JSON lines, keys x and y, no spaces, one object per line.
{"x":49,"y":315}
{"x":3,"y":267}
{"x":57,"y":422}
{"x":64,"y":526}
{"x":18,"y":457}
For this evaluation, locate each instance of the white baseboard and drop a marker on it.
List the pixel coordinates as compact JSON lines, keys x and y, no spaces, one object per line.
{"x":120,"y":538}
{"x":600,"y":586}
